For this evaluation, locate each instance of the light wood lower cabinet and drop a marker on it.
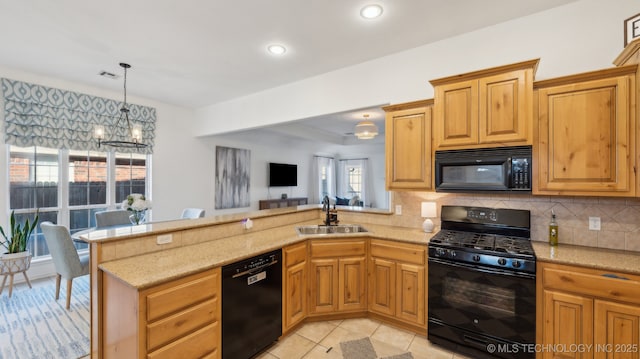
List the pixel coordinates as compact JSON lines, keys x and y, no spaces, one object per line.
{"x":295,"y":285}
{"x":597,"y":309}
{"x":397,"y":281}
{"x":337,"y":276}
{"x":180,"y":318}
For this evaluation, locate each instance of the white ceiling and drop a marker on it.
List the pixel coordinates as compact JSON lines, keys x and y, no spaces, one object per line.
{"x":195,"y":53}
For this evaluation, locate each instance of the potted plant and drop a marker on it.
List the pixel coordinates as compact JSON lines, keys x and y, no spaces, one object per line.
{"x":17,"y":258}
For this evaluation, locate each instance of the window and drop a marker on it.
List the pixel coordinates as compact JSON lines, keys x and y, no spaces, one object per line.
{"x":352,"y":181}
{"x":69,"y":186}
{"x":131,"y":175}
{"x":33,"y":184}
{"x":88,"y":174}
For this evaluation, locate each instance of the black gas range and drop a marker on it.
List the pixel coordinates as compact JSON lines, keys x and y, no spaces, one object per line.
{"x":482,"y":282}
{"x":485,"y":236}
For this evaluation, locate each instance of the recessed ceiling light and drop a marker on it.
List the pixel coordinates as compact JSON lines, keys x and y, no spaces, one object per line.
{"x":371,"y":11}
{"x":276,"y":49}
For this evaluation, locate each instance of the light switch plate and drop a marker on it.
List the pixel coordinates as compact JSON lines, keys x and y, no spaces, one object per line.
{"x":398,"y":209}
{"x":594,"y":223}
{"x":164,"y":239}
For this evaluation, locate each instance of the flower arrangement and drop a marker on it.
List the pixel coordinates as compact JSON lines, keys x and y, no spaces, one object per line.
{"x":137,"y":204}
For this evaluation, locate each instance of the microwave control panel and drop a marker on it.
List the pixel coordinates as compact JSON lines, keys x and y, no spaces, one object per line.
{"x":520,"y":173}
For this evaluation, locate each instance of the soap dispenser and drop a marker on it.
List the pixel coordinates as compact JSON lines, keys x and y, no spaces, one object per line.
{"x":553,"y":230}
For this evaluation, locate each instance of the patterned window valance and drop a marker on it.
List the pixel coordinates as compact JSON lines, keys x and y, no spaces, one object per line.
{"x":36,"y":115}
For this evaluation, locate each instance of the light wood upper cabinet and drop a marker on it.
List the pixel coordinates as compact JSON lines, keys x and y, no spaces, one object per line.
{"x":586,"y":134}
{"x":408,"y":146}
{"x":487,"y":108}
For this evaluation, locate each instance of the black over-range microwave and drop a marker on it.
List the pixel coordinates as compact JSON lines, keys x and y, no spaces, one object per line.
{"x":484,"y":169}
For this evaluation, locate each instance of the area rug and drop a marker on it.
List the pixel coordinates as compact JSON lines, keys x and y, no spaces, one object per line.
{"x":34,"y":326}
{"x":363,"y":349}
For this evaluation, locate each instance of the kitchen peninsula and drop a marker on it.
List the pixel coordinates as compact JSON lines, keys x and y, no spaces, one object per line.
{"x":150,"y":298}
{"x":129,"y":265}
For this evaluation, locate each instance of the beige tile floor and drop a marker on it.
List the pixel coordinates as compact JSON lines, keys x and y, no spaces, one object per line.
{"x":317,"y":340}
{"x":313,"y":340}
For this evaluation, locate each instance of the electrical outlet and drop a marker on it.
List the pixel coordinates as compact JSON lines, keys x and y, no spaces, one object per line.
{"x":594,"y":223}
{"x":164,"y":239}
{"x":398,"y":209}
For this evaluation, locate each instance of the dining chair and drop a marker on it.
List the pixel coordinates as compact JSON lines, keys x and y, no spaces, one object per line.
{"x":67,"y":262}
{"x":112,"y":218}
{"x":193,"y":213}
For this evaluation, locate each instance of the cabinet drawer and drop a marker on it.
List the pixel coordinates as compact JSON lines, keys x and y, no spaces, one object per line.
{"x":177,"y":325}
{"x":173,"y":298}
{"x":398,"y":251}
{"x":202,"y":343}
{"x":295,"y":254}
{"x":343,"y":248}
{"x":597,"y":283}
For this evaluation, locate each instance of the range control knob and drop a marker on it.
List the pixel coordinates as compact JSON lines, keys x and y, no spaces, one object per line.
{"x":452,"y":254}
{"x":516,"y":264}
{"x":476,"y":258}
{"x":440,"y":252}
{"x":502,"y":261}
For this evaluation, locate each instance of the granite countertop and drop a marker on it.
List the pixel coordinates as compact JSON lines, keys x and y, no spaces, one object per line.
{"x":154,"y":268}
{"x":591,"y":257}
{"x":160,"y":227}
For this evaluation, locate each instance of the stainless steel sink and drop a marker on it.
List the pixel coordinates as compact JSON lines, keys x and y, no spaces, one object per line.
{"x":336,"y":229}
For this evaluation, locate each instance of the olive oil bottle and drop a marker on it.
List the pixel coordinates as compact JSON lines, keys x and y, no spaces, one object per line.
{"x":553,"y":230}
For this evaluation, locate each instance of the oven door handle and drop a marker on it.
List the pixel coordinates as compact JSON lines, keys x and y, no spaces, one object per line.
{"x":482,"y":269}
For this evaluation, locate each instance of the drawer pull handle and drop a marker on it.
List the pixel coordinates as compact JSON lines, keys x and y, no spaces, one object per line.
{"x":611,"y":275}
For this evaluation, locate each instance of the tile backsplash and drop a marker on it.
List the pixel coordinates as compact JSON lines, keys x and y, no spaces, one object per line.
{"x":620,"y":217}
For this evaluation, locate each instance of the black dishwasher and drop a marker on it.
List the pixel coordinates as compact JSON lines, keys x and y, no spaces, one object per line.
{"x":251,"y":305}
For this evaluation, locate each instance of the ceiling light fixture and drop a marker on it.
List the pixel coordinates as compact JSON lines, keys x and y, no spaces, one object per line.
{"x":371,"y":11}
{"x":135,"y":131}
{"x":366,"y":130}
{"x":276,"y":49}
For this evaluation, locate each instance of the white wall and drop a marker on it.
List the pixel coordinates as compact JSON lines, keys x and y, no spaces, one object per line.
{"x":270,"y":148}
{"x":581,"y":36}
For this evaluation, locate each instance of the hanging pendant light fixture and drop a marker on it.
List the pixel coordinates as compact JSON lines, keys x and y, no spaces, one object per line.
{"x":134,"y":131}
{"x":366,"y":130}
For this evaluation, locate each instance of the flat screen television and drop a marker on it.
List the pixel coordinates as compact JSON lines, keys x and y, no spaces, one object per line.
{"x":282,"y":175}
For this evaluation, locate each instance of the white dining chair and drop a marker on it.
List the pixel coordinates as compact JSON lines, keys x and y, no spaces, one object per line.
{"x":192,"y":213}
{"x":112,"y":218}
{"x":67,"y":262}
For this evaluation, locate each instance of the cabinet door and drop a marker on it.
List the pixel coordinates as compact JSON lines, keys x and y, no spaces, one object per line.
{"x":617,"y":330}
{"x":323,"y":285}
{"x":410,"y":292}
{"x":586,"y":139}
{"x":456,"y":114}
{"x":568,"y":320}
{"x":294,"y":295}
{"x":408,"y":149}
{"x":382,"y":286}
{"x":352,"y":285}
{"x":505,"y":107}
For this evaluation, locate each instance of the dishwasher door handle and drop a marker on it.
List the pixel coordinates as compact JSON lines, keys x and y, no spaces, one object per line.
{"x":253,"y":270}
